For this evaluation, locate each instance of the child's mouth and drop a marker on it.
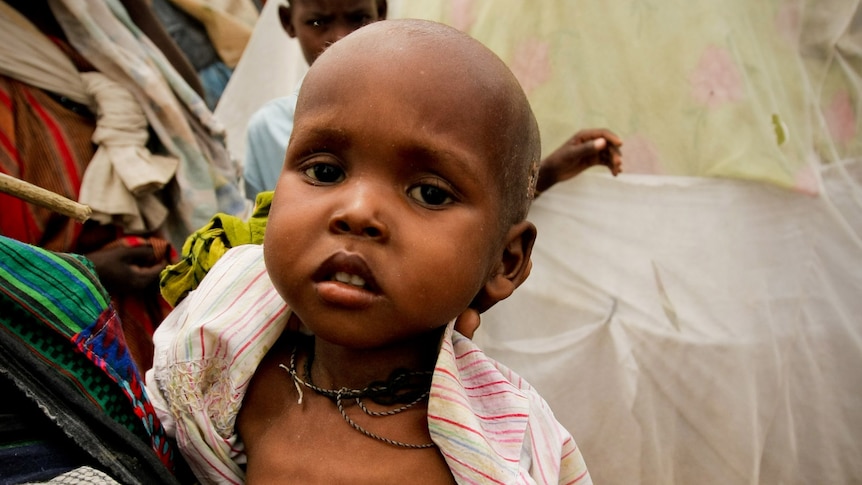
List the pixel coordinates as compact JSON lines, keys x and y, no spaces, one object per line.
{"x":349,"y":279}
{"x":346,"y":274}
{"x":346,"y":289}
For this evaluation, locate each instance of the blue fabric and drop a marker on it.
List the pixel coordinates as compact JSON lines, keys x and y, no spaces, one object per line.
{"x":35,"y":462}
{"x":188,"y":33}
{"x":214,"y":78}
{"x":268,"y":132}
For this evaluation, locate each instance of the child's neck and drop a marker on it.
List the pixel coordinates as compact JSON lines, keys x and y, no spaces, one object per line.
{"x":334,"y":366}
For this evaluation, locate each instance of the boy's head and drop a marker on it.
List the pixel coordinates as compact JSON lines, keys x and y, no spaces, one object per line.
{"x":317,"y":24}
{"x":405,"y":187}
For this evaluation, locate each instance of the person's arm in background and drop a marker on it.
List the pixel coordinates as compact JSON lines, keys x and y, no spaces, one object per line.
{"x":580,"y":152}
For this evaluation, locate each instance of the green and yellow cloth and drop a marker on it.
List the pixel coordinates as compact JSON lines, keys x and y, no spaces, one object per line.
{"x":206,"y":245}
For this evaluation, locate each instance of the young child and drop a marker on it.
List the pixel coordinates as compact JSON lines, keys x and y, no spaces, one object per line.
{"x":328,"y":355}
{"x":315,"y":24}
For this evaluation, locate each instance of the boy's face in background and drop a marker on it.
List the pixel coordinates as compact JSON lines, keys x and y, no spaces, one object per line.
{"x":386,"y":222}
{"x":317,"y":24}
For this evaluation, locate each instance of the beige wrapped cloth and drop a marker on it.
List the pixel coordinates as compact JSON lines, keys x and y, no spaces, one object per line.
{"x":120,"y":182}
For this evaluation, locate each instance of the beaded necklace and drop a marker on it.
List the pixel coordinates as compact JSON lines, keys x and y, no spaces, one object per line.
{"x":404,"y":387}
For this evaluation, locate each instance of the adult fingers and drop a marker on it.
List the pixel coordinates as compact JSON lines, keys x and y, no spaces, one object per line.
{"x":139,"y":255}
{"x":145,"y":276}
{"x":595,"y":133}
{"x":467,"y":322}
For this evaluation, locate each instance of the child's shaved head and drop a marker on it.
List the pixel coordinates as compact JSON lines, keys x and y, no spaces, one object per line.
{"x":481,"y":85}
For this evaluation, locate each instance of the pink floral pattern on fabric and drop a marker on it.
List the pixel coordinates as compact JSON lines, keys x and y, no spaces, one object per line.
{"x":641,"y":155}
{"x":463,"y":17}
{"x":531,"y":64}
{"x":840,"y":118}
{"x":788,"y":23}
{"x":806,"y":180}
{"x":716,"y":80}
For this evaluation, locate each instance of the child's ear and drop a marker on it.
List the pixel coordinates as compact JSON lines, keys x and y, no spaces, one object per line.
{"x":284,"y":17}
{"x":512,"y":269}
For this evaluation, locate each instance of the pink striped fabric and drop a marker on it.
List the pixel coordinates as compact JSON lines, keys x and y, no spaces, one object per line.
{"x":489,"y":424}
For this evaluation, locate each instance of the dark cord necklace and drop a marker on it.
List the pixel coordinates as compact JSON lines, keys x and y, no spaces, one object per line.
{"x":404,"y":387}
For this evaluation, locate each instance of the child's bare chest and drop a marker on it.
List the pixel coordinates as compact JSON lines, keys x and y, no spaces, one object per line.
{"x":314,"y":448}
{"x":325,"y":462}
{"x":309,"y":443}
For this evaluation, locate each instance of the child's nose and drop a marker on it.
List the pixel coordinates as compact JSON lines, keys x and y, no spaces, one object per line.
{"x":361,"y":214}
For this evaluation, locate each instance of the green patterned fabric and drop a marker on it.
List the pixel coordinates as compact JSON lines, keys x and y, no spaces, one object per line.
{"x":54,"y":348}
{"x":62,"y":346}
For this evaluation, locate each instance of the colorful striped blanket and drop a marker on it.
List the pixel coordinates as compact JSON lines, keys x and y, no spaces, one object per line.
{"x":62,"y":346}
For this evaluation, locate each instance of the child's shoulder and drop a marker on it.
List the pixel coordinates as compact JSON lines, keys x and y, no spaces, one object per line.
{"x":490,"y":384}
{"x":207,"y":350}
{"x":235,"y":294}
{"x":241,"y":254}
{"x":472,"y":390}
{"x":474,"y":363}
{"x":234,"y":312}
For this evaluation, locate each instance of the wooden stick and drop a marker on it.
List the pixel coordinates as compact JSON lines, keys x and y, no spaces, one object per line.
{"x":44,"y":198}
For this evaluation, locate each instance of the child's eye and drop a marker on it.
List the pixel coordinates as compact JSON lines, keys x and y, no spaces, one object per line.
{"x":430,"y":194}
{"x":359,"y":20}
{"x":314,"y":22}
{"x":325,"y":173}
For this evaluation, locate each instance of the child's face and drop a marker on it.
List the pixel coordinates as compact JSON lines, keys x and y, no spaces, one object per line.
{"x":317,"y":24}
{"x":386,"y":222}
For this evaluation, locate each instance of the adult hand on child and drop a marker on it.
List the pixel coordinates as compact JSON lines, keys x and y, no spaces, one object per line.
{"x":123,"y":269}
{"x":586,"y":148}
{"x":467,"y":323}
